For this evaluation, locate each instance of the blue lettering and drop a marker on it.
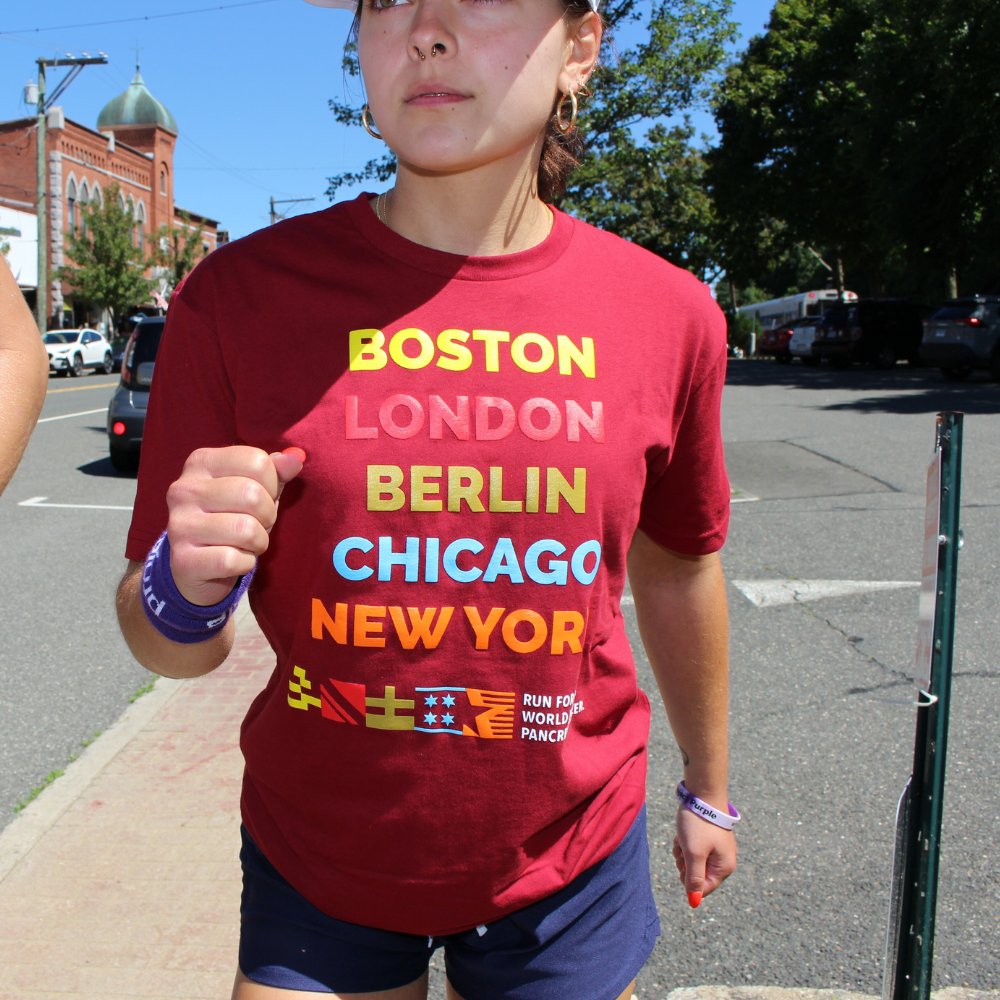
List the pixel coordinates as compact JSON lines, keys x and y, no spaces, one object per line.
{"x":581,"y":553}
{"x":410,"y":559}
{"x":432,"y":549}
{"x":556,"y":572}
{"x":503,"y":560}
{"x":450,"y":560}
{"x":340,"y":558}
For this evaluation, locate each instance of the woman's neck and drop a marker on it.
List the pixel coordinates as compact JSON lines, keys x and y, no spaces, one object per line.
{"x":488,"y":211}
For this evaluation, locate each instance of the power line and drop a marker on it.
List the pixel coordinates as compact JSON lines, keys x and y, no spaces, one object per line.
{"x":147,"y":17}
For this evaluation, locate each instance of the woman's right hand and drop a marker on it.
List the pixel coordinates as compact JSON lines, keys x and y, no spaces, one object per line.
{"x":220,"y":513}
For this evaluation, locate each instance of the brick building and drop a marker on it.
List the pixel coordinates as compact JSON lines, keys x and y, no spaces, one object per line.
{"x":132,"y":146}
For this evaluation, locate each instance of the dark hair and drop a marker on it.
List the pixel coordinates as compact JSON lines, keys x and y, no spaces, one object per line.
{"x":561,"y":151}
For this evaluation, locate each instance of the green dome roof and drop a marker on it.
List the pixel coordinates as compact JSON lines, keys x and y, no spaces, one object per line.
{"x":136,"y":106}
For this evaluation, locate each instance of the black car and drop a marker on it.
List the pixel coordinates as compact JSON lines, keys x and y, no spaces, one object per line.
{"x":127,"y":411}
{"x":877,"y":331}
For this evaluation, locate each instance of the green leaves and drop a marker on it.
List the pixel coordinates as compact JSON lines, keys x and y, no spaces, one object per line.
{"x":109,"y":266}
{"x":176,"y":249}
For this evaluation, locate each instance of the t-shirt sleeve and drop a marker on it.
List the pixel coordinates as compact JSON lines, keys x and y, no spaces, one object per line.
{"x":191,"y":406}
{"x":686,"y":504}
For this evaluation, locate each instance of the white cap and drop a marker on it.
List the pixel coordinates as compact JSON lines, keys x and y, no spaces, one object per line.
{"x":353,"y":4}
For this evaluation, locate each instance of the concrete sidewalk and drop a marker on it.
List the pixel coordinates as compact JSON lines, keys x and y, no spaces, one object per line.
{"x":122,"y":879}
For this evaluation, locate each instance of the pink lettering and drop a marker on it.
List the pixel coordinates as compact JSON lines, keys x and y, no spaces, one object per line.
{"x":525,"y":423}
{"x":577,"y":417}
{"x":483,"y":406}
{"x":442,"y":414}
{"x":386,"y":416}
{"x":354,"y":432}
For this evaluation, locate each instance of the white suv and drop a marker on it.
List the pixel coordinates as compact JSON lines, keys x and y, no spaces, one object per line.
{"x":70,"y":351}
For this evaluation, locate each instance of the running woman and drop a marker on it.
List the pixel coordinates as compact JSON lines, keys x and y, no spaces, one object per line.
{"x":479,"y":412}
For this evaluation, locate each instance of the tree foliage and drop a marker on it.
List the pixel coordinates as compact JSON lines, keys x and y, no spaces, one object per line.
{"x":642,"y":177}
{"x":177,"y":249}
{"x":109,"y":266}
{"x":866,"y":129}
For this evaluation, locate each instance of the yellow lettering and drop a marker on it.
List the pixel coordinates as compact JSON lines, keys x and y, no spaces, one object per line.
{"x":389,"y":704}
{"x":531,"y":491}
{"x":383,"y":487}
{"x":365,"y":350}
{"x":556,"y":486}
{"x":457,"y":492}
{"x":544,"y":345}
{"x":583,"y":356}
{"x":459,"y":357}
{"x":396,"y":352}
{"x":420,"y":488}
{"x":497,"y":503}
{"x":492,"y":338}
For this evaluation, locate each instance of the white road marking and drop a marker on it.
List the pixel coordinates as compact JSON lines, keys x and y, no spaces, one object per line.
{"x":37,"y":502}
{"x":771,"y":593}
{"x":733,"y":500}
{"x":66,"y":416}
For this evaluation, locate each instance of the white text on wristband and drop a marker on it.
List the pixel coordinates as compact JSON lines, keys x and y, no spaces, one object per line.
{"x":705,"y":811}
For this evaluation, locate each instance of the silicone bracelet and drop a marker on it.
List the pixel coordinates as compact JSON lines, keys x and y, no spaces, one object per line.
{"x":173,"y":616}
{"x":705,"y":811}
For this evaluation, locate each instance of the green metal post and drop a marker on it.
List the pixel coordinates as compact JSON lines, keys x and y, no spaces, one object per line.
{"x":41,"y":296}
{"x":922,"y":807}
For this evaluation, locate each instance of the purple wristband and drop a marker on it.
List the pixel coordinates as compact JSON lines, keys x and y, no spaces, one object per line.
{"x":173,"y":616}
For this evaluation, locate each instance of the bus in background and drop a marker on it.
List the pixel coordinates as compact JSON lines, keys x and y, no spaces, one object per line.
{"x":774,"y":312}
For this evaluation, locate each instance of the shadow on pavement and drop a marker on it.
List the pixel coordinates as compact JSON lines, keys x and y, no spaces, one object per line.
{"x":103,"y":467}
{"x":902,"y":390}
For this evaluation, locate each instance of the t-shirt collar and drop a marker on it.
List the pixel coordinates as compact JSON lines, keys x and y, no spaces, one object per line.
{"x":451,"y":265}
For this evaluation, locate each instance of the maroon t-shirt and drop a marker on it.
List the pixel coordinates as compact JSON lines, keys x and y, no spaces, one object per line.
{"x":453,"y":729}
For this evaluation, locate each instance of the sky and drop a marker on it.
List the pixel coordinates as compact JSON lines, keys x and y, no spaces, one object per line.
{"x":247,"y":85}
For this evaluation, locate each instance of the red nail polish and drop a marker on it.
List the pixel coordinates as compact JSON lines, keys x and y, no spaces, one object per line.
{"x":297,"y":452}
{"x":694,"y":898}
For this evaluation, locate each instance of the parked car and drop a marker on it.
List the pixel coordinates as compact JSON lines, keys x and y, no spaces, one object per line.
{"x":776,"y":342}
{"x":70,"y":351}
{"x":127,"y":410}
{"x":118,"y":343}
{"x":803,"y":337}
{"x":962,"y":335}
{"x":877,"y":331}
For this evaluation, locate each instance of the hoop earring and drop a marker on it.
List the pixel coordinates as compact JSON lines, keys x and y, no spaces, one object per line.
{"x":564,"y":128}
{"x":365,"y":111}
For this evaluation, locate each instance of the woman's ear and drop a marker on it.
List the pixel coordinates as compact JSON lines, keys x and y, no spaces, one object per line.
{"x":584,"y":49}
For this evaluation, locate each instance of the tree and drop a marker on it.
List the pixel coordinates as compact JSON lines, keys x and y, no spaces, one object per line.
{"x":109,"y":266}
{"x":642,"y":178}
{"x":177,"y":248}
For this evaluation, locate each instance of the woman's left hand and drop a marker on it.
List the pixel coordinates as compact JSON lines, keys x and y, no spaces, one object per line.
{"x":704,"y":853}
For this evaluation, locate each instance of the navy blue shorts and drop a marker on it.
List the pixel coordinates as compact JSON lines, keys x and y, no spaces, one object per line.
{"x":586,"y":942}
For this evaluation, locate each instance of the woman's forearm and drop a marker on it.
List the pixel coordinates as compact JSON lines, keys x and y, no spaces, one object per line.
{"x":24,"y":373}
{"x":156,"y":652}
{"x":680,"y":604}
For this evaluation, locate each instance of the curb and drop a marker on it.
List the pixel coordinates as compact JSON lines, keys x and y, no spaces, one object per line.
{"x":34,"y":821}
{"x":776,"y":993}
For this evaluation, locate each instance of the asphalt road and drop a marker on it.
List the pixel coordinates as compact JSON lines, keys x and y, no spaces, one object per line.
{"x":822,"y":733}
{"x":65,"y":672}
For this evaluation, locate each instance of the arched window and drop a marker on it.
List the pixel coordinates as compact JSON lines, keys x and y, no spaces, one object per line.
{"x":121,"y":202}
{"x":84,"y":201}
{"x":95,"y":196}
{"x":163,"y":181}
{"x":71,"y":206}
{"x":140,"y":222}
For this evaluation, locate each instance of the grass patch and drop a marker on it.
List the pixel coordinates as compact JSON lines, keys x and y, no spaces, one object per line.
{"x":87,"y":742}
{"x":35,"y":792}
{"x":145,"y":689}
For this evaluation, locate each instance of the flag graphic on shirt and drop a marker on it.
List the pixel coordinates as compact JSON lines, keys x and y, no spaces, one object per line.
{"x":455,"y":711}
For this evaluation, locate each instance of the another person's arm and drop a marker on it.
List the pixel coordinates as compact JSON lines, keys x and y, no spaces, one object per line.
{"x":680,"y":603}
{"x":220,"y":512}
{"x":24,"y":374}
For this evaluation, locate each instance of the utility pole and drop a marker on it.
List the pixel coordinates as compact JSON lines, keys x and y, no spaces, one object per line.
{"x":42,"y":202}
{"x":277,"y":216}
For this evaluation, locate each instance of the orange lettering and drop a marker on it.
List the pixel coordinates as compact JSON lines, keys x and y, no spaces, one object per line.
{"x":421,"y":626}
{"x":363,"y":625}
{"x":567,"y":626}
{"x":483,"y":629}
{"x":536,"y":621}
{"x":337,"y":627}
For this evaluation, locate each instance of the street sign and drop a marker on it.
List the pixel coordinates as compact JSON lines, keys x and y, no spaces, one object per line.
{"x":929,"y":574}
{"x":913,"y":901}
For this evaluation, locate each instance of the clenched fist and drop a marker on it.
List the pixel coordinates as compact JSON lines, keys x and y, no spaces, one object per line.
{"x":221,"y":511}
